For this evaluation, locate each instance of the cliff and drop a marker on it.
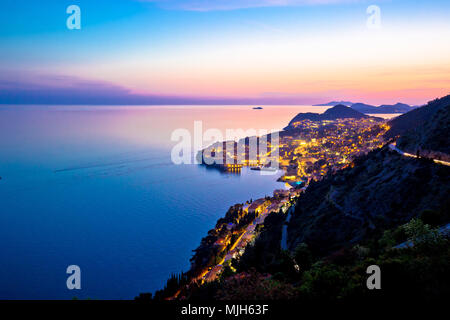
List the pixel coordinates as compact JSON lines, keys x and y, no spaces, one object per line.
{"x":430,"y":138}
{"x":382,"y":190}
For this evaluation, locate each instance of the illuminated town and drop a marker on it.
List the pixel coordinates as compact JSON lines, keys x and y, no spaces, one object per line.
{"x":314,"y":148}
{"x":306,"y":150}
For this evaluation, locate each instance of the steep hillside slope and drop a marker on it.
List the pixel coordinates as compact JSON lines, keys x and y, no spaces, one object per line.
{"x":432,"y":138}
{"x":413,"y":120}
{"x":381,"y":191}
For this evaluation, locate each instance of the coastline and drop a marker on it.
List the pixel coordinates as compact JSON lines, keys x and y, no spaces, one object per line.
{"x":229,"y":238}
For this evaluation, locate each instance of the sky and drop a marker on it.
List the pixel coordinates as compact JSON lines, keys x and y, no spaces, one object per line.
{"x":224,"y":52}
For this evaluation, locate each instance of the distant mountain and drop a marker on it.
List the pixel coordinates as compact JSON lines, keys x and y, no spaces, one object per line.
{"x":416,"y":118}
{"x":337,"y":112}
{"x":334,"y":103}
{"x":396,"y":108}
{"x":364,"y":108}
{"x":425,"y":129}
{"x":341,"y":111}
{"x":367,"y":108}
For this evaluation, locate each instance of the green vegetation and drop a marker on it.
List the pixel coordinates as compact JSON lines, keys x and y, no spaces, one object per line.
{"x":418,"y":272}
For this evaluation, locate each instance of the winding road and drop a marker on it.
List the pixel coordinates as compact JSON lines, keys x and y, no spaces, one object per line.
{"x":393,"y":147}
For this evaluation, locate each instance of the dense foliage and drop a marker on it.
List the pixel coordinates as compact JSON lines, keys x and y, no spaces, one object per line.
{"x":412,"y":273}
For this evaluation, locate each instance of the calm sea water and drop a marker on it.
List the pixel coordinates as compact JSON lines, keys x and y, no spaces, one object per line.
{"x":95,"y":187}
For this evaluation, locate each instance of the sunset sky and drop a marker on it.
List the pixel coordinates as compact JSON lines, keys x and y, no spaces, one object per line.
{"x":224,"y":51}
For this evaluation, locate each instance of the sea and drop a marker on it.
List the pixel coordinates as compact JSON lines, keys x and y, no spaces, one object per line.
{"x":97,"y":187}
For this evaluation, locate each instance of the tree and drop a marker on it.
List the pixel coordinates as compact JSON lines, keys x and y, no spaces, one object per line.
{"x":421,"y":234}
{"x":303,"y":256}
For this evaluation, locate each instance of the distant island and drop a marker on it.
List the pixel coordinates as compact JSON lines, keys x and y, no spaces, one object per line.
{"x":334,"y":103}
{"x":257,"y":108}
{"x":367,"y":108}
{"x":396,"y":108}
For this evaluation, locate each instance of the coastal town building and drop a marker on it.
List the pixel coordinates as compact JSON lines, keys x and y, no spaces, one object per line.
{"x":258,"y":206}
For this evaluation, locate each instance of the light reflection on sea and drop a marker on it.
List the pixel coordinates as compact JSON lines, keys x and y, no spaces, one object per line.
{"x":95,"y":186}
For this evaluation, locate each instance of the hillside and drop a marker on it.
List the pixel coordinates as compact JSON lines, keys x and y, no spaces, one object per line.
{"x":337,"y":112}
{"x":382,"y":191}
{"x":416,"y":118}
{"x":430,"y":136}
{"x":396,"y":108}
{"x":367,"y":108}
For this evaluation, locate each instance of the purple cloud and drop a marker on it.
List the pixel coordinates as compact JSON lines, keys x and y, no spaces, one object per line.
{"x":28,"y":88}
